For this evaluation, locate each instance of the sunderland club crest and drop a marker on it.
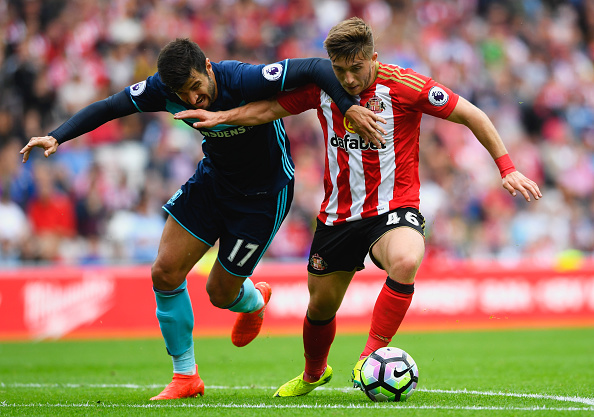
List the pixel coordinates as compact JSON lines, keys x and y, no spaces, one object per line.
{"x":376,"y":105}
{"x":317,"y":262}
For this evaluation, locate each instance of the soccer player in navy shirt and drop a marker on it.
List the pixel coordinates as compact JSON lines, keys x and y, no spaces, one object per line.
{"x":239,"y":195}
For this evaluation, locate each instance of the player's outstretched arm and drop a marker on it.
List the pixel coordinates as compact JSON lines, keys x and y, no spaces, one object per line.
{"x":87,"y":119}
{"x":363,"y":120}
{"x":48,"y":143}
{"x":481,"y":126}
{"x":252,"y":114}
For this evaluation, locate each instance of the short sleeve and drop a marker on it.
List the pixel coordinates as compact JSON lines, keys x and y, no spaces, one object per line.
{"x":436,"y":100}
{"x":148,"y":95}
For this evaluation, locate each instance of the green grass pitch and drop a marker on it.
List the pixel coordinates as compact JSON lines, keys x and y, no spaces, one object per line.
{"x":490,"y":373}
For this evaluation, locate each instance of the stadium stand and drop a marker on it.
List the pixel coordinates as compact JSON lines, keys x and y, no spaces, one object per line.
{"x":528,"y":64}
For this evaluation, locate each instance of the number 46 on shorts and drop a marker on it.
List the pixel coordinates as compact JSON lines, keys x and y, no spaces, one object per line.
{"x":410,"y":217}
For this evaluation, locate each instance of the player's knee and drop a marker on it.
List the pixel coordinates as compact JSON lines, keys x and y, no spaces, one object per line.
{"x":164,"y":278}
{"x":218,"y":299}
{"x":219,"y":296}
{"x":322,"y":311}
{"x":403,"y":268}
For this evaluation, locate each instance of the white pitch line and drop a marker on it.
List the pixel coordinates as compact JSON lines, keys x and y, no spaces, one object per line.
{"x":294,"y":406}
{"x":574,"y":399}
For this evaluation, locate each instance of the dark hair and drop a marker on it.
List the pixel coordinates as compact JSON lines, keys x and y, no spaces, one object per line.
{"x":176,"y":61}
{"x":349,"y":38}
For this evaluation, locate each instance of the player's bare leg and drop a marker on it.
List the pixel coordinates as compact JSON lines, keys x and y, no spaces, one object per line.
{"x":326,"y":293}
{"x":400,"y":252}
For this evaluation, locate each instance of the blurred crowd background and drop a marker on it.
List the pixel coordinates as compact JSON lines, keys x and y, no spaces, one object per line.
{"x":527,"y":64}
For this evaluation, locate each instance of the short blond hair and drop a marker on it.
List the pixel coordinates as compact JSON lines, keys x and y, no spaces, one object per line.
{"x":350,"y":38}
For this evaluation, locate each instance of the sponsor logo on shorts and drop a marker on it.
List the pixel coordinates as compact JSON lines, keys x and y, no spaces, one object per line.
{"x":138,"y":88}
{"x":272,"y":72}
{"x":352,"y":142}
{"x":437,"y":96}
{"x":376,"y":105}
{"x":317,"y":262}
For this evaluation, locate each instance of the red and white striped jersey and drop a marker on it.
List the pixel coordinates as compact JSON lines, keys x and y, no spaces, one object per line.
{"x":361,"y":180}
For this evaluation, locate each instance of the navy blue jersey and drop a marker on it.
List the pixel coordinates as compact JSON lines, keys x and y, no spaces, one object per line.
{"x":246,"y":160}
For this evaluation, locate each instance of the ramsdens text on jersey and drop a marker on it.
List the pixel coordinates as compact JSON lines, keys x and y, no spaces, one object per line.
{"x":226,"y":133}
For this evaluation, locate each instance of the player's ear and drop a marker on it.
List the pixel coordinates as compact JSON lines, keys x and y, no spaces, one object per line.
{"x":208,"y":65}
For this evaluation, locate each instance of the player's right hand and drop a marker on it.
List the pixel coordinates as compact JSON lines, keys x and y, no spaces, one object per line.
{"x":48,"y":143}
{"x":206,"y":118}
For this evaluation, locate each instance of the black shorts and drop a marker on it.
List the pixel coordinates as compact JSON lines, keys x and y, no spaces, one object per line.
{"x":344,"y":247}
{"x":244,"y":226}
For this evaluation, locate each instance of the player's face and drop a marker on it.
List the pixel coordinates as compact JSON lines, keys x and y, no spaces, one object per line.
{"x":200,"y":90}
{"x":355,"y":75}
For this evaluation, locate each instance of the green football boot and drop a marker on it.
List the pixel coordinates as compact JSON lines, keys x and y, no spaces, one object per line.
{"x":297,"y":386}
{"x":356,"y":374}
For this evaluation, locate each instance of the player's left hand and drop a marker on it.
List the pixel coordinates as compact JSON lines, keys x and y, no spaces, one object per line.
{"x":365,"y":123}
{"x":516,"y":181}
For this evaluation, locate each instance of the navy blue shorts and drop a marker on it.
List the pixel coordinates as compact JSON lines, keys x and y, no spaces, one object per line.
{"x":244,"y":226}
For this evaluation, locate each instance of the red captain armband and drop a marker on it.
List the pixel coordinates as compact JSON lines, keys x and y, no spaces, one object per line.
{"x":505,"y":165}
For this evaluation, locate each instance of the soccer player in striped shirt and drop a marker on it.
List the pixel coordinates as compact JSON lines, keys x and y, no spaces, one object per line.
{"x":371,"y":202}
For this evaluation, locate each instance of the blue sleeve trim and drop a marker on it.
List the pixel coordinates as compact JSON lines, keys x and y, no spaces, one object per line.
{"x":135,"y":105}
{"x":280,"y":138}
{"x":285,"y":74}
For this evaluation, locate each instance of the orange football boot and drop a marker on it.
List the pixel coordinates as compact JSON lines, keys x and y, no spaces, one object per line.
{"x":248,"y":325}
{"x":182,"y":386}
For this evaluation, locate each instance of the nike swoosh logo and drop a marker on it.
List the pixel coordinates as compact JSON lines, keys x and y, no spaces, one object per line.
{"x":401,"y":373}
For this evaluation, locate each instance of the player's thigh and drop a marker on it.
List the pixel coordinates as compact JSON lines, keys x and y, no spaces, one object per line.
{"x":397,"y":242}
{"x":399,"y":252}
{"x":326,"y":293}
{"x":178,"y":253}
